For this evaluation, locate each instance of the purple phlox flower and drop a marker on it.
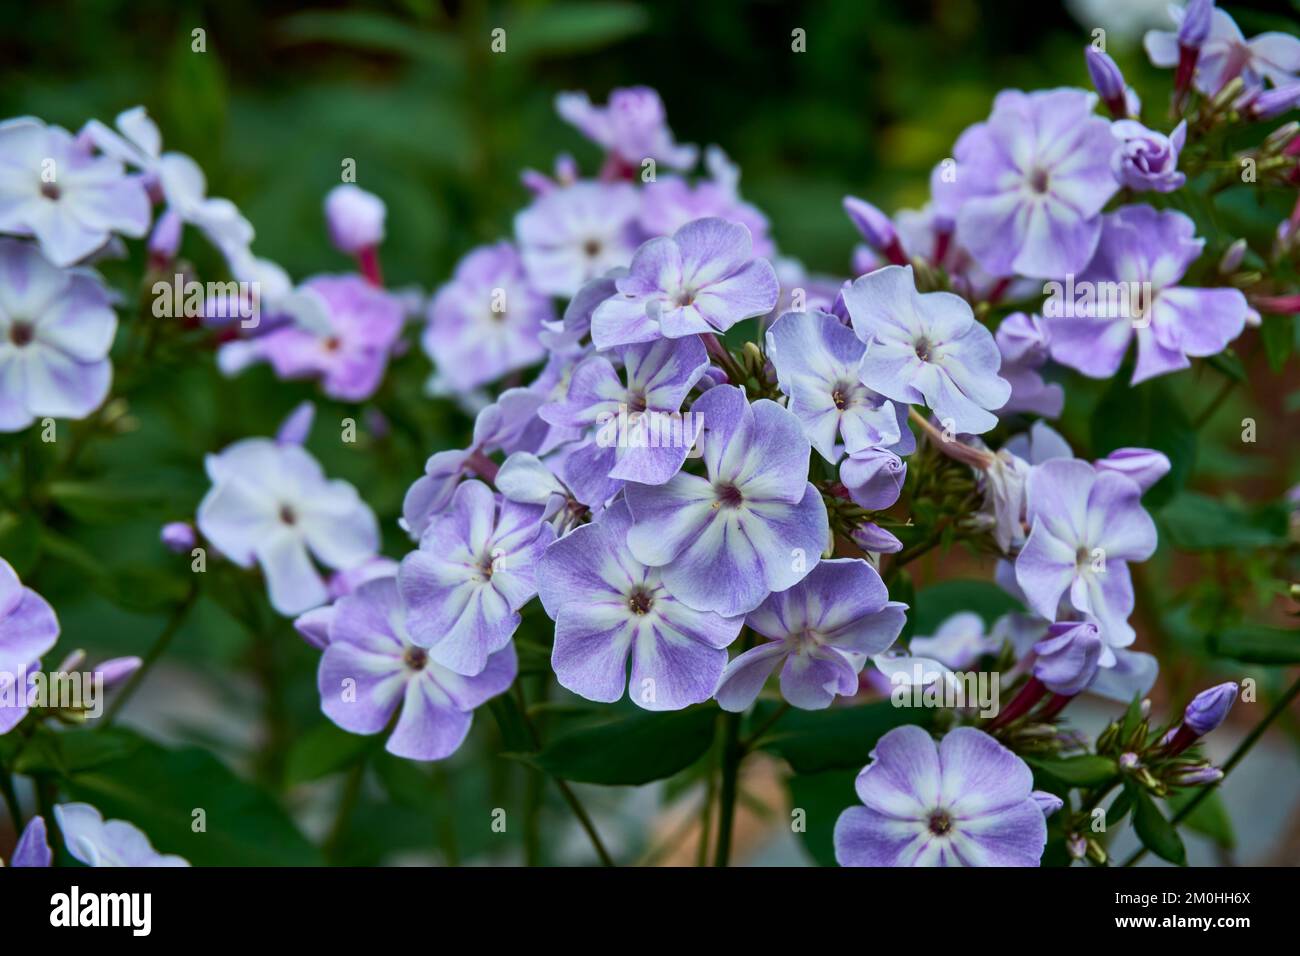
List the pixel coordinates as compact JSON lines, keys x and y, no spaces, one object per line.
{"x":1085,"y":525}
{"x":1147,"y":159}
{"x":633,"y":126}
{"x":670,"y":202}
{"x":1023,"y":341}
{"x":876,"y":228}
{"x":1130,"y":288}
{"x":1040,"y":443}
{"x":640,"y":433}
{"x":28,"y":628}
{"x":347,"y":580}
{"x":99,"y":842}
{"x":1143,"y":465}
{"x":1225,"y":53}
{"x":527,"y":479}
{"x":926,"y":349}
{"x":817,"y":358}
{"x":505,"y":425}
{"x":753,"y":526}
{"x":475,"y":568}
{"x":1049,"y":803}
{"x":566,"y":173}
{"x":179,"y":179}
{"x":1133,"y":674}
{"x":804,"y":291}
{"x":54,"y":188}
{"x":609,"y":606}
{"x":349,"y":352}
{"x":820,"y":633}
{"x":873,"y":477}
{"x":372,"y":668}
{"x":1209,"y":708}
{"x":355,"y":218}
{"x":575,"y":233}
{"x":271,"y":505}
{"x":1066,"y":660}
{"x":487,"y":320}
{"x":33,"y":847}
{"x":178,"y":537}
{"x":566,"y":334}
{"x":1032,"y":180}
{"x":702,"y":279}
{"x":959,"y":642}
{"x":931,"y":233}
{"x":967,"y":801}
{"x":56,"y":328}
{"x":872,"y":538}
{"x":1109,"y":83}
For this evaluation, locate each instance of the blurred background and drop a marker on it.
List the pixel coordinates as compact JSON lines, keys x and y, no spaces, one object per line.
{"x":440,"y":127}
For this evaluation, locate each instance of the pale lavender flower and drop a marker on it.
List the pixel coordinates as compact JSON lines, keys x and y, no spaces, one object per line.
{"x":816,"y":358}
{"x":1067,"y":659}
{"x":1225,"y":53}
{"x":1143,"y":465}
{"x":608,"y":606}
{"x":487,"y":320}
{"x":180,"y":181}
{"x":1024,"y":342}
{"x":505,"y":425}
{"x":372,"y":668}
{"x":959,"y":642}
{"x":820,"y":633}
{"x":753,"y":526}
{"x":355,"y":218}
{"x":1003,"y":484}
{"x":28,"y":628}
{"x":967,"y":801}
{"x":54,"y":188}
{"x":1144,"y":253}
{"x":271,"y":505}
{"x":575,"y":233}
{"x":702,"y":279}
{"x":475,"y":568}
{"x":926,"y":349}
{"x":99,"y":842}
{"x":56,"y":328}
{"x":349,"y":352}
{"x":33,"y":847}
{"x":1085,"y":526}
{"x":1146,"y":159}
{"x":640,"y":433}
{"x":1032,"y":180}
{"x":633,"y":126}
{"x":670,"y":202}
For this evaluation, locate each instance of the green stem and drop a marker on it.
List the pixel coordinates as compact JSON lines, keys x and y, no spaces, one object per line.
{"x":11,"y":799}
{"x":1237,"y":756}
{"x":732,"y":755}
{"x":767,"y":725}
{"x":151,"y":657}
{"x":347,"y":804}
{"x":1220,"y":397}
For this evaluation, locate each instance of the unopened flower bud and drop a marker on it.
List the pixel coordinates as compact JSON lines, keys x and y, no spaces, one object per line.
{"x":178,"y":536}
{"x":355,"y":218}
{"x":1232,"y":257}
{"x":876,"y":228}
{"x":1066,"y":660}
{"x":1273,"y":103}
{"x":1209,"y":708}
{"x":1108,"y":80}
{"x":1195,"y":28}
{"x":1197,"y":776}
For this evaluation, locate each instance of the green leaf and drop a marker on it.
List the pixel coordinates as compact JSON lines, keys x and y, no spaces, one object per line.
{"x":20,"y":540}
{"x":1086,"y":770}
{"x":1209,"y":818}
{"x":629,"y":750}
{"x":323,"y":750}
{"x":938,"y":602}
{"x":159,"y":791}
{"x":1257,"y":644}
{"x":62,"y":754}
{"x":563,"y":28}
{"x":821,"y":797}
{"x":1229,"y":364}
{"x":1156,"y":833}
{"x":1197,"y":522}
{"x":1277,"y":332}
{"x":374,"y":32}
{"x":838,"y":738}
{"x":1146,"y":416}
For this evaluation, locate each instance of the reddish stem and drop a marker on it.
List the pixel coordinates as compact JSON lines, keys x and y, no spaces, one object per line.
{"x":368,"y":260}
{"x":1029,"y":695}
